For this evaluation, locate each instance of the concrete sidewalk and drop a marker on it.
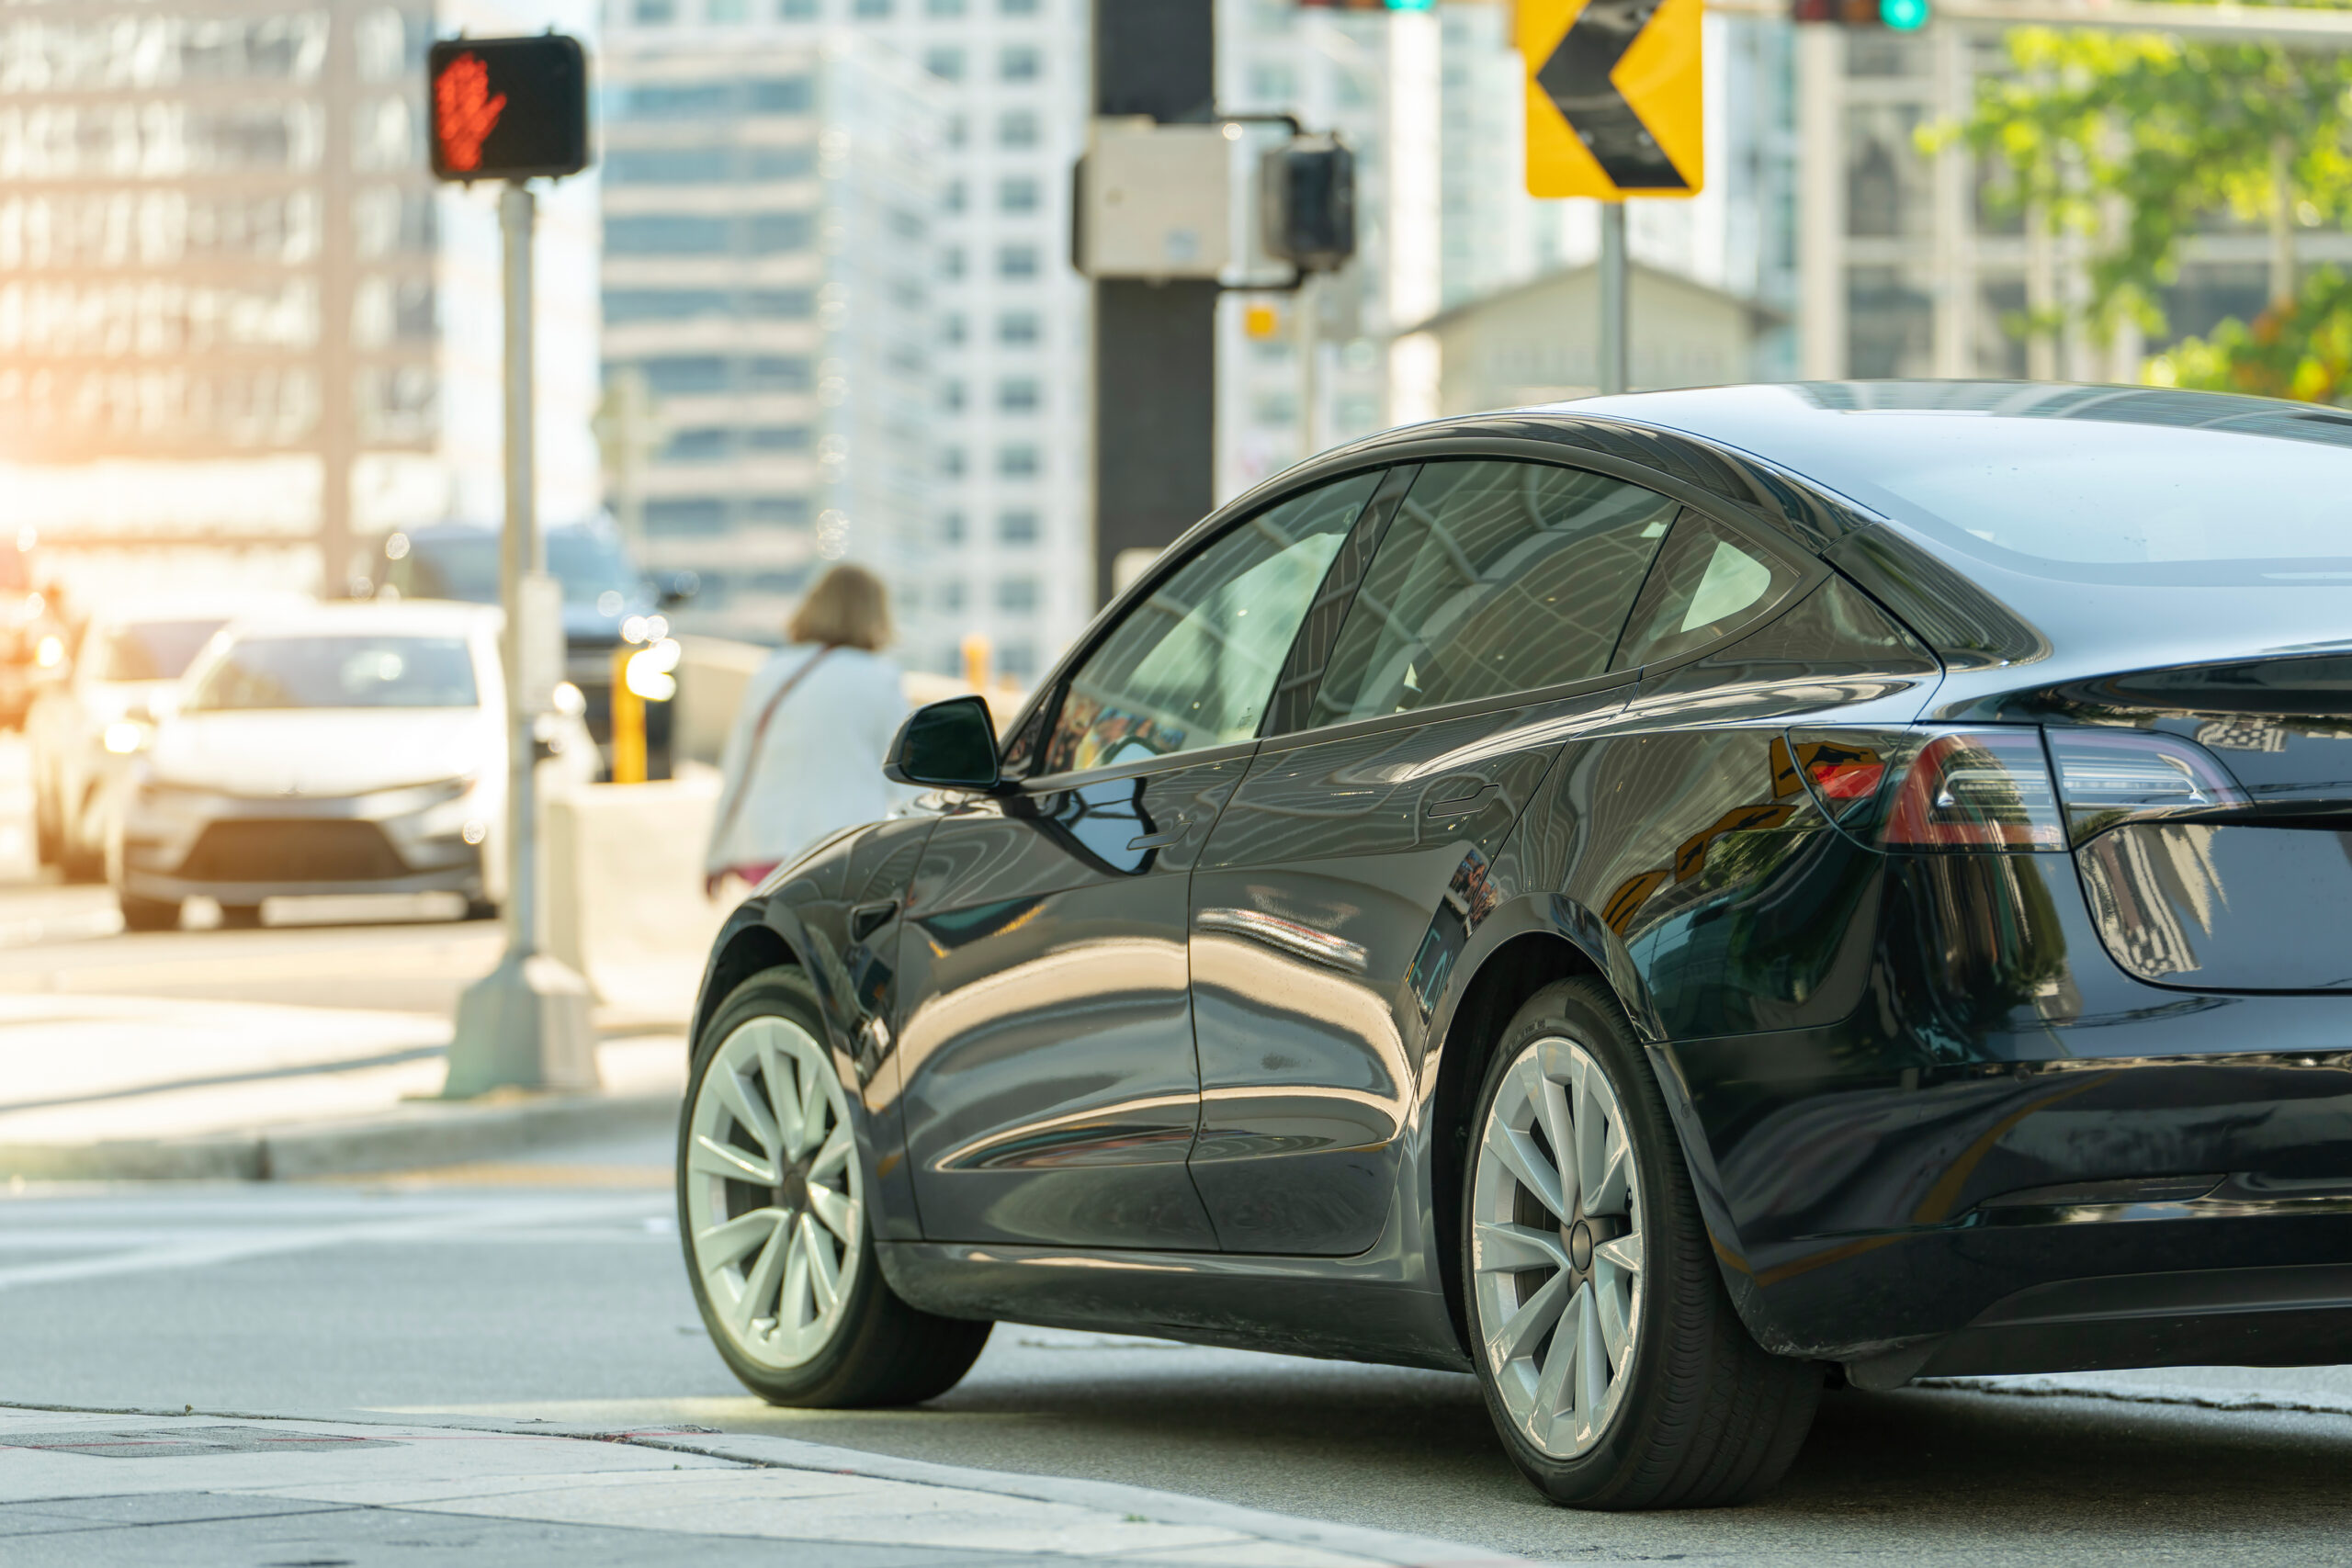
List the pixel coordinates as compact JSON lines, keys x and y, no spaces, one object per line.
{"x":96,"y":1488}
{"x":130,"y":1087}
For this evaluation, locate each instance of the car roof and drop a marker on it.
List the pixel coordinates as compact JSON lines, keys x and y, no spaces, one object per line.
{"x":352,"y":617}
{"x":192,"y":607}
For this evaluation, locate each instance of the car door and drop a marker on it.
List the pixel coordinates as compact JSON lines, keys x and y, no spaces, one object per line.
{"x":1344,"y":875}
{"x":1051,"y":1089}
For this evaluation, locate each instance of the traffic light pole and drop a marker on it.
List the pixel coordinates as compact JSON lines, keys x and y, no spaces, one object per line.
{"x":526,"y":1024}
{"x":1613,"y":300}
{"x":1155,"y":342}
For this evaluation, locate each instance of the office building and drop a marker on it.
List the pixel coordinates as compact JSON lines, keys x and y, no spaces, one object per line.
{"x":242,"y":331}
{"x":767,"y":249}
{"x":1006,"y":549}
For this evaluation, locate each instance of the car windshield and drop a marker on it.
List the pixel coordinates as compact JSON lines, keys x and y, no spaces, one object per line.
{"x":2111,"y":502}
{"x":153,"y":650}
{"x":465,"y":567}
{"x":339,"y":672}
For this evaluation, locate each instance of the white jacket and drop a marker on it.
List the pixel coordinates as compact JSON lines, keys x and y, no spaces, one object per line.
{"x":819,"y":766}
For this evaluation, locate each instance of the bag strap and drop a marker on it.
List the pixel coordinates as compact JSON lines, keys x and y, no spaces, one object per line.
{"x":760,"y":734}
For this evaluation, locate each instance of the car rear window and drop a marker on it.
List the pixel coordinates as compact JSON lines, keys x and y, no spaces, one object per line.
{"x":2111,"y":500}
{"x":339,"y":672}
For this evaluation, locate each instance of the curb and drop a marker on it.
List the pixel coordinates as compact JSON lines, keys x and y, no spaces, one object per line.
{"x":425,"y":1133}
{"x":2188,"y":1395}
{"x":1106,"y":1496}
{"x":790,"y":1453}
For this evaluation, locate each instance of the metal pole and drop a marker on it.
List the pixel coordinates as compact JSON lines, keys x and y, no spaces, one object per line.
{"x":1308,"y":312}
{"x":517,"y":214}
{"x":1821,"y":203}
{"x":526,"y":1024}
{"x":1612,"y":297}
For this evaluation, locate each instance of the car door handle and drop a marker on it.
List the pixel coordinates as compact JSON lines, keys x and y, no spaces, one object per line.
{"x":1178,"y":826}
{"x":868,"y":919}
{"x":1461,"y":805}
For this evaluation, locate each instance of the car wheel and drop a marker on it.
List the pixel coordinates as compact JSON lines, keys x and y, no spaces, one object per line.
{"x":148,"y":914}
{"x":480,"y":909}
{"x":771,"y":1213}
{"x":240,"y":917}
{"x":1614,"y":1365}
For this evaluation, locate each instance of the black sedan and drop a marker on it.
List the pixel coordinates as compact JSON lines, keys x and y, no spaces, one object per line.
{"x":1664,"y":902}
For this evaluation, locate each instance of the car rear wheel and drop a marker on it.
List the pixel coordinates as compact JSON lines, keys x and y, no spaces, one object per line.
{"x":771,"y":1211}
{"x":148,"y":914}
{"x":1613,"y":1363}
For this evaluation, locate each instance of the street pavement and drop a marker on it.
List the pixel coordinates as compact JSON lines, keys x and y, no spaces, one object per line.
{"x":550,"y":1289}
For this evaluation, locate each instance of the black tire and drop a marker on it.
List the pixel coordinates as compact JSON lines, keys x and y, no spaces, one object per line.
{"x":1708,"y":1418}
{"x":479,"y":910}
{"x":240,"y":917}
{"x":882,"y":1351}
{"x":148,"y":914}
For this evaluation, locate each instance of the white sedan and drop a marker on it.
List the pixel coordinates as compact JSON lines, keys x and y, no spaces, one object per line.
{"x":345,"y":748}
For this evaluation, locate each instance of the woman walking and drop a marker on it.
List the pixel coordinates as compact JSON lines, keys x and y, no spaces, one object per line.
{"x":804,"y":756}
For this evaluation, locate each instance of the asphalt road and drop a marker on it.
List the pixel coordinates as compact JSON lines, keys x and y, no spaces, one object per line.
{"x":553,"y":1289}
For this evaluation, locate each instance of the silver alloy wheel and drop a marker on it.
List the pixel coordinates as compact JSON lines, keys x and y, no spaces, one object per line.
{"x":1556,"y":1246}
{"x":775,"y":1199}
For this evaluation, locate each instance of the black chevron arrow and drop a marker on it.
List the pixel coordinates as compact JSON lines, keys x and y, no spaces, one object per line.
{"x":1576,"y":79}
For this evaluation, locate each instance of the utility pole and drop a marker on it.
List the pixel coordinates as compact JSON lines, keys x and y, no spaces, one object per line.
{"x":1154,"y":340}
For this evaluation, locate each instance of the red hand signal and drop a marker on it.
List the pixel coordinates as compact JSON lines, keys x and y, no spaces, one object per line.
{"x":464,"y":112}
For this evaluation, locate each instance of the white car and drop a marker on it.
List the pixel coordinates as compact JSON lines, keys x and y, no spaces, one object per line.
{"x":346,"y":748}
{"x":85,"y":728}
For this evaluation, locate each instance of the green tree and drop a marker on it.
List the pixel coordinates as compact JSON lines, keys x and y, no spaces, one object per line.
{"x":2138,"y":141}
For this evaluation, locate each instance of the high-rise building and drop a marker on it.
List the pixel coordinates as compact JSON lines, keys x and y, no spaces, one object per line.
{"x":766,"y":277}
{"x":1006,"y":545}
{"x":241,"y":328}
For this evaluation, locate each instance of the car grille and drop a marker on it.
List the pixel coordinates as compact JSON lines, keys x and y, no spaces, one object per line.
{"x":292,"y":851}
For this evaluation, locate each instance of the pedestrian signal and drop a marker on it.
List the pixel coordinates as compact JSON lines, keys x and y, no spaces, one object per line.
{"x":508,"y":108}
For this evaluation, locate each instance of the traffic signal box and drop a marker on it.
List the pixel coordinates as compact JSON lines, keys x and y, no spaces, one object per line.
{"x":509,"y":108}
{"x":1898,"y":15}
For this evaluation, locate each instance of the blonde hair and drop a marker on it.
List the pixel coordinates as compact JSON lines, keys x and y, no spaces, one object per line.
{"x":847,"y":608}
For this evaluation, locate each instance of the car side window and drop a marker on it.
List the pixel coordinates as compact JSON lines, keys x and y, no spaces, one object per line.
{"x":1192,"y":665}
{"x":1709,"y":582}
{"x":1495,"y":577}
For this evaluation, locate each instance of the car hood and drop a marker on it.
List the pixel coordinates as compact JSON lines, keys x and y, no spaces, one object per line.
{"x":322,"y":751}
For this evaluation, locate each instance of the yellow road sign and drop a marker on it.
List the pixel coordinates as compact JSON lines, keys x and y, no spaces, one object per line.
{"x":1613,"y":102}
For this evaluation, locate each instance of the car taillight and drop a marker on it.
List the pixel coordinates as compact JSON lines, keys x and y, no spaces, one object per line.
{"x":1927,"y":789}
{"x":2106,"y":777}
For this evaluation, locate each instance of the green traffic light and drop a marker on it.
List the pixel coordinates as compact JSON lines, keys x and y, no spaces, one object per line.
{"x":1904,"y":16}
{"x":1412,"y":5}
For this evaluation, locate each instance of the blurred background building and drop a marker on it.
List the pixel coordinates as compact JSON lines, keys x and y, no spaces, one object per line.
{"x":242,"y":333}
{"x":766,"y":288}
{"x":1005,"y":550}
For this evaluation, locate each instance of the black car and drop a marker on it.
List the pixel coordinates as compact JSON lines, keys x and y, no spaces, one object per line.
{"x":603,"y":592}
{"x":1663,"y":902}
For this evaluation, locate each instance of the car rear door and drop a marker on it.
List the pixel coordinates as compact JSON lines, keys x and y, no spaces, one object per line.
{"x":1052,"y":1092}
{"x":1344,"y":875}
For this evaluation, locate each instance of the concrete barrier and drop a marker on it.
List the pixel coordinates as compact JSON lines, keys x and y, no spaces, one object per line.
{"x":626,"y":906}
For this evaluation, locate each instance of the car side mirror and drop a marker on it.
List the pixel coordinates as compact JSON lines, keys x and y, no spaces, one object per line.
{"x":947,"y":745}
{"x":674,"y":587}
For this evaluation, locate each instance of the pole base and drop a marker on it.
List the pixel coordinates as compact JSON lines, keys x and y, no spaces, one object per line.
{"x":523,"y":1025}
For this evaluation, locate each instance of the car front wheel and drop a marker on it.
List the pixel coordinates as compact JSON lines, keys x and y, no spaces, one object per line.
{"x":771,"y":1211}
{"x":1614,"y":1365}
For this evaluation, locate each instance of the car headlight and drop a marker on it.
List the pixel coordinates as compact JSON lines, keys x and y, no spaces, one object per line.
{"x":126,"y":737}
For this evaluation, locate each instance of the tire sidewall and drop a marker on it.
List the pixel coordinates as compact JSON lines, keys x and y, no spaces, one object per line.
{"x":783,"y":993}
{"x":1572,"y":1011}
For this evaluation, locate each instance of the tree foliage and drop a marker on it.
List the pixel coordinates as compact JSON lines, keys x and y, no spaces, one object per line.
{"x":2139,"y":140}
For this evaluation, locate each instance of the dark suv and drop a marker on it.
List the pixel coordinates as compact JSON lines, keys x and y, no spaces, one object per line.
{"x":603,"y":591}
